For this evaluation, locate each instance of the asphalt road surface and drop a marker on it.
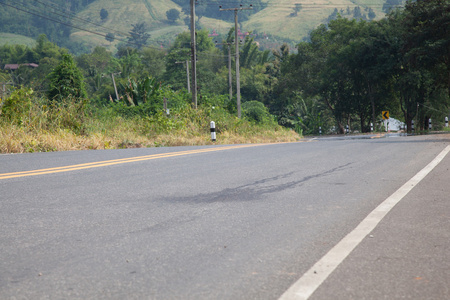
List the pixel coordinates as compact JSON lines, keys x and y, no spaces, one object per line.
{"x":224,"y":222}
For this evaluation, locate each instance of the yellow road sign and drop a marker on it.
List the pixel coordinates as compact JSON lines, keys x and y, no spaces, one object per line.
{"x":385,"y":115}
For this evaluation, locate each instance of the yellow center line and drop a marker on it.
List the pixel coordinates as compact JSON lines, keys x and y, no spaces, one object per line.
{"x":115,"y":162}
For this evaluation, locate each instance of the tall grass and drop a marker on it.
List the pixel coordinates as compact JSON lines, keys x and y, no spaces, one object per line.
{"x":33,"y":124}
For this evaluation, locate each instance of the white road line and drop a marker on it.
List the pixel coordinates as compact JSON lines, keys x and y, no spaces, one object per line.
{"x":315,"y":276}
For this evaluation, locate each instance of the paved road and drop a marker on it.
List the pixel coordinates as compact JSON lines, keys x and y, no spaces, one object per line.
{"x":218,"y":223}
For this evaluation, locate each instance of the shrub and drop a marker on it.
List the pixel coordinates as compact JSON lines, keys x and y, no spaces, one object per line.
{"x":17,"y":106}
{"x":256,"y":111}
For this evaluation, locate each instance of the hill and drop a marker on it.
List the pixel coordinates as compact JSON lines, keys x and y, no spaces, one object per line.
{"x":278,"y":19}
{"x":272,"y":21}
{"x":16,"y":39}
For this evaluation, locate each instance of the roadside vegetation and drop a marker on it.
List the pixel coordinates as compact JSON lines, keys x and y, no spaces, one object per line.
{"x":31,"y":123}
{"x":346,"y":73}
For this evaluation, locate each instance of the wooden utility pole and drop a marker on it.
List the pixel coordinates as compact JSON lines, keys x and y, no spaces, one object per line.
{"x":187,"y":73}
{"x":230,"y":84}
{"x":114,"y":82}
{"x":193,"y":56}
{"x":236,"y":42}
{"x":3,"y":90}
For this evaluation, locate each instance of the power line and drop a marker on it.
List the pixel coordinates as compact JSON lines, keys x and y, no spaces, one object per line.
{"x":71,"y":25}
{"x":73,"y":16}
{"x":304,"y":5}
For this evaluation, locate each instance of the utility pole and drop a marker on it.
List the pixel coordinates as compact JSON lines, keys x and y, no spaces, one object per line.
{"x":230,"y":84}
{"x":193,"y":56}
{"x":3,"y":90}
{"x":114,"y":83}
{"x":187,"y":73}
{"x":236,"y":42}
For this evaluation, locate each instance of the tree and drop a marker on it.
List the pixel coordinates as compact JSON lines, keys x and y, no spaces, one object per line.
{"x":372,"y":15}
{"x":347,"y":67}
{"x":180,"y":52}
{"x":153,"y":62}
{"x":139,"y":35}
{"x":103,"y":14}
{"x":391,"y":4}
{"x":357,"y":13}
{"x":427,"y":38}
{"x":173,"y":15}
{"x":110,"y":37}
{"x":94,"y":65}
{"x":333,"y":15}
{"x":66,"y":80}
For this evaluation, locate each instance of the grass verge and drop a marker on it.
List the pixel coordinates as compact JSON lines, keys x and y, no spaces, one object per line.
{"x":30,"y":124}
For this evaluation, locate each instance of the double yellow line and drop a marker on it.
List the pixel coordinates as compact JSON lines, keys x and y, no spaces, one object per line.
{"x":115,"y":162}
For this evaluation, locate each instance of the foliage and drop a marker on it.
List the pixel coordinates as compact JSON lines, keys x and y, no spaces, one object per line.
{"x":110,"y":37}
{"x":70,"y":125}
{"x":140,"y":91}
{"x":152,"y":61}
{"x":390,"y":5}
{"x":179,"y":53}
{"x":138,"y":35}
{"x":66,"y":81}
{"x":256,"y":111}
{"x":345,"y":73}
{"x":14,"y":20}
{"x":17,"y":106}
{"x":104,"y":14}
{"x":173,"y":15}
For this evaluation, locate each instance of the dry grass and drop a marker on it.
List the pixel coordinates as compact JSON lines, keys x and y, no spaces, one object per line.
{"x":16,"y":139}
{"x":40,"y":128}
{"x":29,"y":123}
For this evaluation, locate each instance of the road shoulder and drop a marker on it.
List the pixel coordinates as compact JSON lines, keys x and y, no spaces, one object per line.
{"x":406,"y":256}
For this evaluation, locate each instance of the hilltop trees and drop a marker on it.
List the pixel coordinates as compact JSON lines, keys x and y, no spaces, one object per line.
{"x":103,"y":14}
{"x":173,"y":15}
{"x":110,"y":37}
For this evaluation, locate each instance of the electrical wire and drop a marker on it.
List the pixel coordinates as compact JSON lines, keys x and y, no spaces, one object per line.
{"x":39,"y":14}
{"x":71,"y":25}
{"x":73,"y":16}
{"x":292,"y":5}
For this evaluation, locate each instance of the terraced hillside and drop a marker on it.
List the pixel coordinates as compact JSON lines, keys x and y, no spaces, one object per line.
{"x":277,"y":19}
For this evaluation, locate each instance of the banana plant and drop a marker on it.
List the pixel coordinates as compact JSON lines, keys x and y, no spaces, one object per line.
{"x":140,"y":91}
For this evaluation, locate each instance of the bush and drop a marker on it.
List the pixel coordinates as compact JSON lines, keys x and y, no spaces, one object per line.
{"x":256,"y":111}
{"x":17,"y":106}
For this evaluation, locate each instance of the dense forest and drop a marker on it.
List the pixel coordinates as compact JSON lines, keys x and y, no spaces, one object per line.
{"x":346,"y":73}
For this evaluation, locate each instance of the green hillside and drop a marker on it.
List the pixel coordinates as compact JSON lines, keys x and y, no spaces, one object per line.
{"x":122,"y":14}
{"x":277,"y":19}
{"x":15,"y":39}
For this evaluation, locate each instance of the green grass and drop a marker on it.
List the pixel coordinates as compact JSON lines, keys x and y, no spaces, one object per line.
{"x":276,"y":19}
{"x":122,"y":14}
{"x":15,"y":39}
